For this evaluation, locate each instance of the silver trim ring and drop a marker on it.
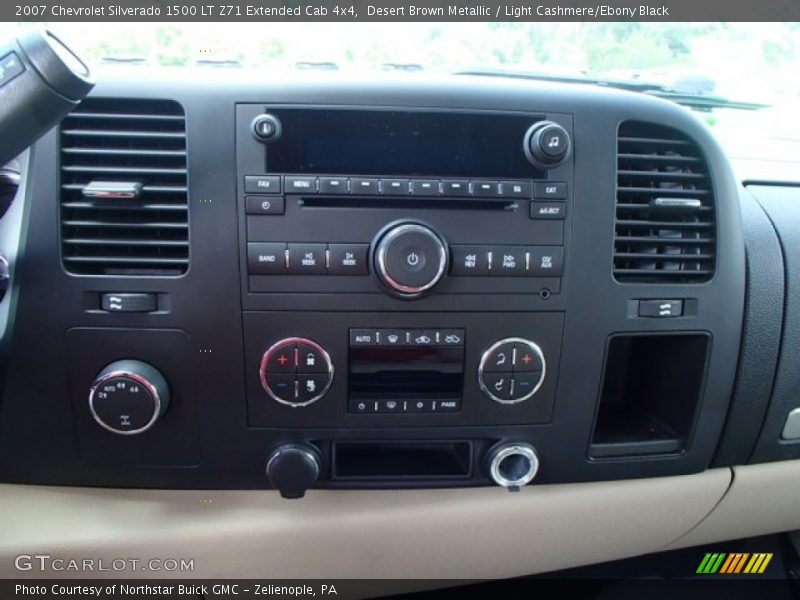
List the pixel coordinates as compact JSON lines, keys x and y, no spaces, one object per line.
{"x":410,"y":290}
{"x":262,"y":370}
{"x":515,"y":340}
{"x":151,"y":389}
{"x":520,"y":449}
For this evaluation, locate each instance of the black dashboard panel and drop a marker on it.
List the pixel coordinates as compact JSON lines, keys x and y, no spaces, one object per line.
{"x":315,"y":268}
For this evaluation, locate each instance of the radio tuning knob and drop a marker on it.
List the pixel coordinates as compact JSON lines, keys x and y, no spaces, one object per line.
{"x":292,"y":469}
{"x":128,"y":397}
{"x":546,"y":144}
{"x":410,"y":258}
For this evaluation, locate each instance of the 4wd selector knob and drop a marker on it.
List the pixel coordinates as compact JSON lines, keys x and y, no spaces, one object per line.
{"x":128,"y":397}
{"x":546,"y":144}
{"x":410,"y":258}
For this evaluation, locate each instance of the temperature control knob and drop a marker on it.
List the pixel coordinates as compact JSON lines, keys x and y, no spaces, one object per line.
{"x":296,"y":371}
{"x":410,"y":258}
{"x":128,"y":397}
{"x":511,"y":370}
{"x":546,"y":144}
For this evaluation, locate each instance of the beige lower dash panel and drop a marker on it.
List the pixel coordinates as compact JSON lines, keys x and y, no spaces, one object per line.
{"x":458,"y":533}
{"x":764,"y":498}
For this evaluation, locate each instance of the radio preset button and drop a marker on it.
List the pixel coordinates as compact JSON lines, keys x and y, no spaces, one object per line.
{"x":425,"y":187}
{"x":265,"y":205}
{"x":307,"y":259}
{"x":455,"y":187}
{"x":262,"y":184}
{"x":333,"y":185}
{"x":550,"y":190}
{"x":394,"y":187}
{"x":266,"y":258}
{"x":364,"y":186}
{"x":348,"y":259}
{"x":508,"y":261}
{"x":548,"y":210}
{"x":485,"y":189}
{"x":515,"y":189}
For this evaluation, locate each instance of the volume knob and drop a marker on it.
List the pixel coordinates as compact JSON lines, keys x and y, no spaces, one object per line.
{"x":410,"y":258}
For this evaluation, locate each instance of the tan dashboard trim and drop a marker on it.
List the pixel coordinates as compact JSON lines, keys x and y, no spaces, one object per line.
{"x":458,"y":533}
{"x":763,"y":498}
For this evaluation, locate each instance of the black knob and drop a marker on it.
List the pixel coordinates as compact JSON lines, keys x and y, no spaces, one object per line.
{"x":128,"y":397}
{"x":410,"y":259}
{"x":266,"y":128}
{"x":546,"y":144}
{"x":292,"y":469}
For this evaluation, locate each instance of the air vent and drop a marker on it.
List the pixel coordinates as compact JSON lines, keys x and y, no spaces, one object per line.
{"x":665,"y":227}
{"x":124,"y":206}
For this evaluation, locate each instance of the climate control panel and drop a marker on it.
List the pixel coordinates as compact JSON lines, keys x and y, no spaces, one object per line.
{"x":296,"y":372}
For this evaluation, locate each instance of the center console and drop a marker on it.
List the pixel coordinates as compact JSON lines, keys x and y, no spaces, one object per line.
{"x":379,"y":286}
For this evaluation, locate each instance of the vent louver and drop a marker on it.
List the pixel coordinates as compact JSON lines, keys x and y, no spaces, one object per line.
{"x":124,"y":203}
{"x":665,"y":229}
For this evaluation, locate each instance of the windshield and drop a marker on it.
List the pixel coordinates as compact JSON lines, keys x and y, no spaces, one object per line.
{"x":745,"y":62}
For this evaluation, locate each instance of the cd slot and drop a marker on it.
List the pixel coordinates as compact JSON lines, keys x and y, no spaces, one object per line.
{"x":488,"y":204}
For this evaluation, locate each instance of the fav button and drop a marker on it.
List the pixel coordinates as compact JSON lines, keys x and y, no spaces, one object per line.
{"x":262,"y":184}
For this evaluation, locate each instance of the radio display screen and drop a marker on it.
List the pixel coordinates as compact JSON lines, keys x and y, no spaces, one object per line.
{"x":392,"y":142}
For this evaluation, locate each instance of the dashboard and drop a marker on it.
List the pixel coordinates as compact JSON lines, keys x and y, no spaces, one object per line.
{"x":323,"y":283}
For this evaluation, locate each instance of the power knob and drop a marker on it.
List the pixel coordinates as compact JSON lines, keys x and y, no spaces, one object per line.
{"x":546,"y":144}
{"x":410,"y":258}
{"x":128,"y":397}
{"x":292,"y":469}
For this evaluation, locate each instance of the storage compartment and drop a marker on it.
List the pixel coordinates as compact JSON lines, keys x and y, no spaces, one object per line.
{"x":406,"y":461}
{"x":651,"y":391}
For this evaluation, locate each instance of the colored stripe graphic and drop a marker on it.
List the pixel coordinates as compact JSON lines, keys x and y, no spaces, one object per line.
{"x":734,"y":563}
{"x":758,"y":563}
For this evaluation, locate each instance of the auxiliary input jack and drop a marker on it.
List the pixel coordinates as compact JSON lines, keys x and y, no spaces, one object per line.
{"x":512,"y":465}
